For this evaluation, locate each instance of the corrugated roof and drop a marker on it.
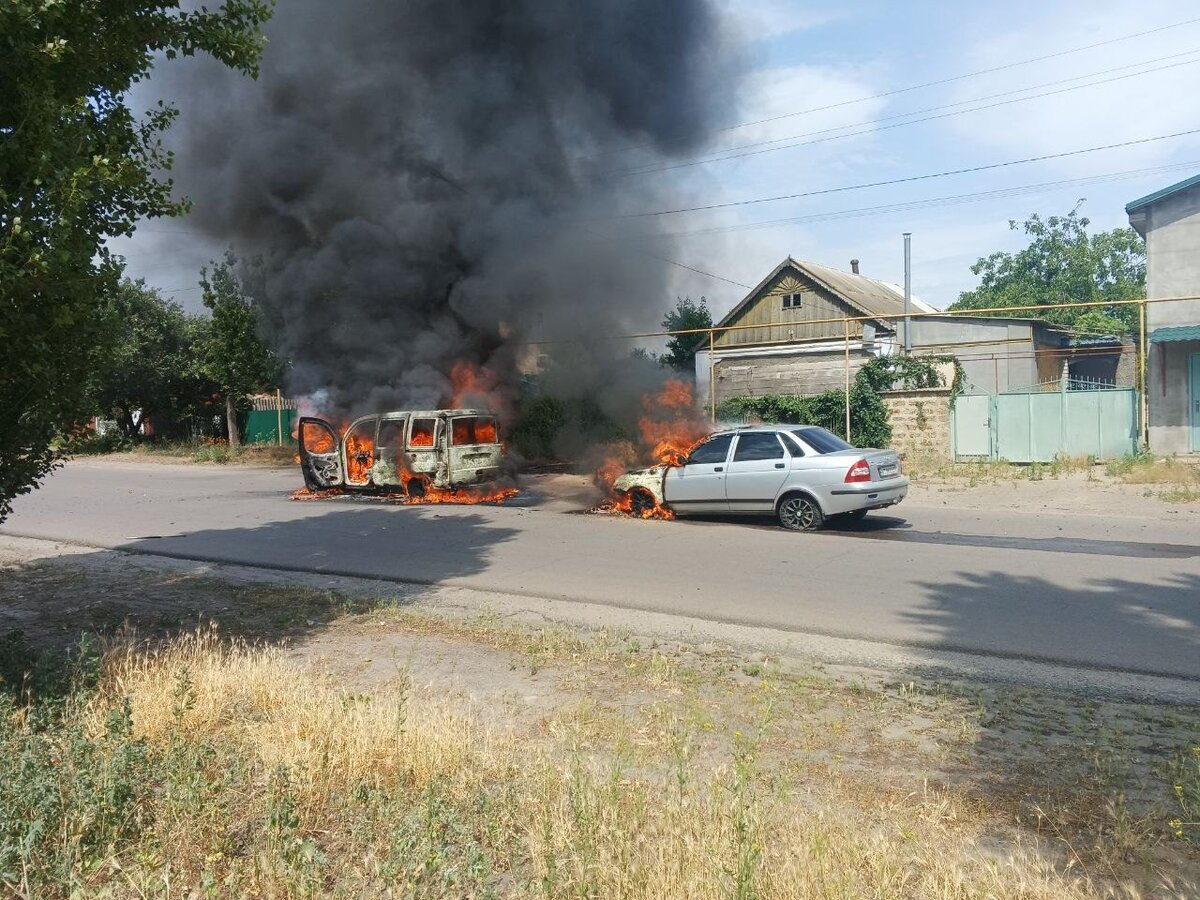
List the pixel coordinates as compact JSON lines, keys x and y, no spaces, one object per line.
{"x":1164,"y":192}
{"x":866,"y":295}
{"x":1177,"y":333}
{"x":874,"y":297}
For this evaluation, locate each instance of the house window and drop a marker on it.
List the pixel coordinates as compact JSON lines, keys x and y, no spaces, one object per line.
{"x":792,"y":301}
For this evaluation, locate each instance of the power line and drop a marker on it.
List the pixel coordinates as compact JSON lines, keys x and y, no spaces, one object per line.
{"x":699,"y":271}
{"x":950,"y":200}
{"x":910,"y":178}
{"x":926,"y":84}
{"x":874,"y":130}
{"x":720,"y":155}
{"x":953,"y":78}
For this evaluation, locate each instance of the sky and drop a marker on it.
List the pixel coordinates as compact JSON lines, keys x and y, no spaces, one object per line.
{"x":858,"y":61}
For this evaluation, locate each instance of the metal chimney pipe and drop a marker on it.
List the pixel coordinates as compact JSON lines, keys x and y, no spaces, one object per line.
{"x":854,"y":266}
{"x":907,"y":291}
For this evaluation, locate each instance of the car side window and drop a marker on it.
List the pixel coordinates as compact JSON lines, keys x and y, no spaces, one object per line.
{"x":391,"y":434}
{"x":713,"y":451}
{"x":790,"y":444}
{"x":757,"y":445}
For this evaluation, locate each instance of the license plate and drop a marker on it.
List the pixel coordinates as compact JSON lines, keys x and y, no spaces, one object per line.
{"x":886,"y":471}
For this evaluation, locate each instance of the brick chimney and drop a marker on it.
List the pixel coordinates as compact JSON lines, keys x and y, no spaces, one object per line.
{"x":854,"y":266}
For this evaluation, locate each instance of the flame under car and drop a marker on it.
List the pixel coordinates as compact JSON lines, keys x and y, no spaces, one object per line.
{"x":403,"y":451}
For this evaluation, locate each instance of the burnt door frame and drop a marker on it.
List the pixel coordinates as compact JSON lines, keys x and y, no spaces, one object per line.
{"x":370,"y":461}
{"x":320,"y":470}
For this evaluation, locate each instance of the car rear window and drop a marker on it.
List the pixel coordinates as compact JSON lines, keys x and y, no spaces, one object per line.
{"x":473,"y":430}
{"x":821,"y":440}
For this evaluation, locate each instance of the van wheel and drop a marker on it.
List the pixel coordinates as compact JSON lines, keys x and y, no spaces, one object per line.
{"x":415,"y":487}
{"x":800,"y":513}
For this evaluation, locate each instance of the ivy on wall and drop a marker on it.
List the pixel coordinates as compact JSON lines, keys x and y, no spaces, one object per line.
{"x":869,"y":424}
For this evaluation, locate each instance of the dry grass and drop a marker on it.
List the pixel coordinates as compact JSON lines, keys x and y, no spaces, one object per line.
{"x":211,"y":451}
{"x":196,"y":766}
{"x":1181,"y":480}
{"x":260,"y":778}
{"x":1163,"y":471}
{"x":924,"y":468}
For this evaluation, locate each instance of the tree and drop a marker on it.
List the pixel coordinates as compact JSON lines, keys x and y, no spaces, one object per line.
{"x":687,"y":315}
{"x":78,"y":167}
{"x":1064,"y":264}
{"x":234,"y":355}
{"x":150,"y":369}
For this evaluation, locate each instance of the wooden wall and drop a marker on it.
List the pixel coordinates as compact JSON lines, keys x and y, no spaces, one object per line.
{"x":781,"y":324}
{"x":787,"y":373}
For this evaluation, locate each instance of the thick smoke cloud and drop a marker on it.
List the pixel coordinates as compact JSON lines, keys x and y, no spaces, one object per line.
{"x":427,"y":181}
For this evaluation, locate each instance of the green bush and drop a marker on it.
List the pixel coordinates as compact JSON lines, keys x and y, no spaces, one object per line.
{"x":869,"y":425}
{"x":1129,"y":462}
{"x":553,"y":428}
{"x":92,"y":444}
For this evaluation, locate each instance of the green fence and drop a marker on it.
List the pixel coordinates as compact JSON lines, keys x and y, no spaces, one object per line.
{"x":1037,"y":426}
{"x":262,"y":426}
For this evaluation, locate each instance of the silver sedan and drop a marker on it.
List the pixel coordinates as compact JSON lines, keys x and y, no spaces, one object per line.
{"x":802,"y":474}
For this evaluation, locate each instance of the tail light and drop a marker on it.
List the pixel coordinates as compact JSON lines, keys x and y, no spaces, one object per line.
{"x":860,"y":471}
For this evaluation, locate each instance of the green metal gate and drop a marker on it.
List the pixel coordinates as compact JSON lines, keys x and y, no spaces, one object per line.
{"x":1037,"y":426}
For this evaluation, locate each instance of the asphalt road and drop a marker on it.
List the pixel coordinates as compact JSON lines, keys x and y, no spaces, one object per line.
{"x":1116,"y":593}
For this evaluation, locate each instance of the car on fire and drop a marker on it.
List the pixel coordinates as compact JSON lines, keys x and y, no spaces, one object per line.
{"x":802,"y":474}
{"x":402,"y":451}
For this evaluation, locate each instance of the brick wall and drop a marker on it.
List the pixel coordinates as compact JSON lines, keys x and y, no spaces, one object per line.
{"x":920,"y":421}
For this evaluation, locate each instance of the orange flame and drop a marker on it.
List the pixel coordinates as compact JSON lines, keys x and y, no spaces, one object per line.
{"x":317,"y":439}
{"x":669,"y":427}
{"x":471,"y":385}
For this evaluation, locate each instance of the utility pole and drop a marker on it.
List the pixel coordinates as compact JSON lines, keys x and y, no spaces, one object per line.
{"x":907,"y":291}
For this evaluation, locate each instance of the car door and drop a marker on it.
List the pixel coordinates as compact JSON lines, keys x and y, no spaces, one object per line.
{"x":698,"y":486}
{"x":390,"y":469}
{"x":756,"y":472}
{"x":475,"y":450}
{"x":320,"y":454}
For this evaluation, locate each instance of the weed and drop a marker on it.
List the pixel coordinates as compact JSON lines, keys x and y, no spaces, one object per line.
{"x":1184,"y":774}
{"x":201,"y":767}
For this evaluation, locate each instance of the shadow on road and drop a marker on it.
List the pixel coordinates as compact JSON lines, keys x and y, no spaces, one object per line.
{"x":1155,"y":621}
{"x":55,"y":601}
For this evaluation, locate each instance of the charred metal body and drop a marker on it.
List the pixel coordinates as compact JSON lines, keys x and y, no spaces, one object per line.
{"x":411,"y":451}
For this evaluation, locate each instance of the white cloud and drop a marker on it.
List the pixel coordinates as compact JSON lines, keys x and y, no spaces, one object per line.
{"x":768,"y":19}
{"x":1144,"y":106}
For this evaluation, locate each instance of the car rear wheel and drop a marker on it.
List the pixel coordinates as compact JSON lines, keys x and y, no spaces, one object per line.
{"x":800,"y":513}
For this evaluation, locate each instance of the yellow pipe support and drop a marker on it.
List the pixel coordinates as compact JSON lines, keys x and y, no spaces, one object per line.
{"x":1145,"y":405}
{"x":847,"y":382}
{"x":712,"y":380}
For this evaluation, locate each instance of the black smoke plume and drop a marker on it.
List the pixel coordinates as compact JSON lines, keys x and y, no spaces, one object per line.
{"x":428,"y":182}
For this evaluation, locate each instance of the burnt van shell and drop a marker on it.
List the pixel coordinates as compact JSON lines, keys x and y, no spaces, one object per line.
{"x":402,"y":450}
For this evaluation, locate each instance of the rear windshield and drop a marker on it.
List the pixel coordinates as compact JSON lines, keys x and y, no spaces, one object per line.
{"x":473,"y":430}
{"x":821,"y":440}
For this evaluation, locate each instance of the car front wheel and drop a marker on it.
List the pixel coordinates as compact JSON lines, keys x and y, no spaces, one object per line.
{"x":800,"y":513}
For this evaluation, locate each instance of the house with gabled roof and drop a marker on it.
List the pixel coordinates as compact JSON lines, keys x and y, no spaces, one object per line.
{"x":788,"y":336}
{"x":1169,"y":220}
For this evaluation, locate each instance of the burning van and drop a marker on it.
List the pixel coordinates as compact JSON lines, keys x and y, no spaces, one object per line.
{"x":414,"y":453}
